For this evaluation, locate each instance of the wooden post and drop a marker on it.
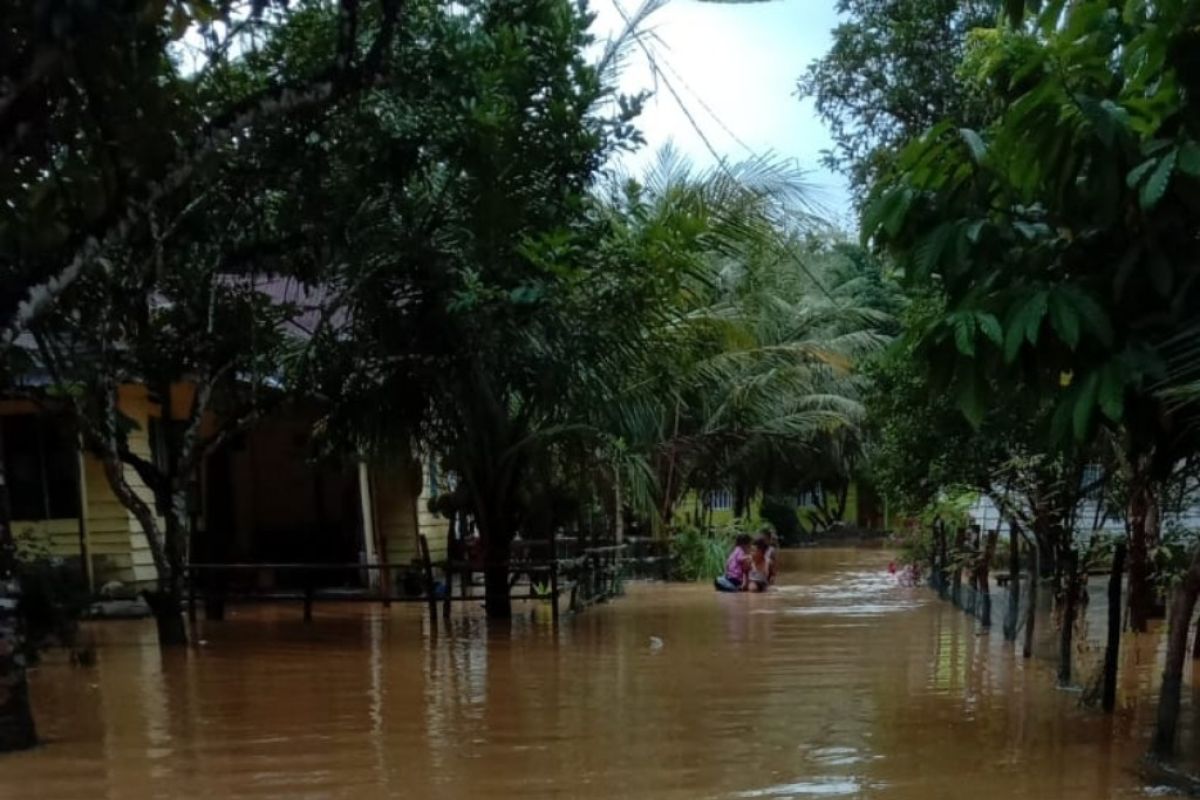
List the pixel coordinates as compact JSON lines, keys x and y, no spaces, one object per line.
{"x":427,"y":567}
{"x":366,"y":512}
{"x":386,"y":575}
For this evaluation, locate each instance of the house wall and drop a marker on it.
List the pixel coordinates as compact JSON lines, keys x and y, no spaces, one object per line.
{"x":120,"y":550}
{"x":118,"y":547}
{"x":401,"y":497}
{"x":435,"y":528}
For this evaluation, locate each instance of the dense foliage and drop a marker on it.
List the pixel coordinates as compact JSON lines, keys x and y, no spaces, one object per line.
{"x":892,"y":72}
{"x":411,"y":217}
{"x":1058,"y":234}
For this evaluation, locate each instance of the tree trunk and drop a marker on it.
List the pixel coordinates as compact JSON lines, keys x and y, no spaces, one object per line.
{"x":167,"y":601}
{"x":942,"y":571}
{"x":1070,"y":565}
{"x":842,"y":495}
{"x":1179,"y":621}
{"x":497,"y":595}
{"x":17,"y":730}
{"x":741,"y":500}
{"x":1196,"y":644}
{"x":956,"y":585}
{"x":618,"y":509}
{"x":1143,"y":531}
{"x":1031,"y":612}
{"x":168,"y":618}
{"x":1014,"y":584}
{"x":983,"y":579}
{"x":1112,"y":649}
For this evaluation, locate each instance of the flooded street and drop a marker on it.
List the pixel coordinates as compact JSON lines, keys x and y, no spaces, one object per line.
{"x":839,"y":684}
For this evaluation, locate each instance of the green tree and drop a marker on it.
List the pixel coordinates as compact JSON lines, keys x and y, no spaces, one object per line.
{"x":1063,"y":236}
{"x":148,"y":180}
{"x":101,"y":123}
{"x":892,"y":73}
{"x":484,"y":293}
{"x":749,"y":379}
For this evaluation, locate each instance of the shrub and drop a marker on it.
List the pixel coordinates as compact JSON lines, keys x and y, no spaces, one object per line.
{"x":53,"y":596}
{"x":698,"y":554}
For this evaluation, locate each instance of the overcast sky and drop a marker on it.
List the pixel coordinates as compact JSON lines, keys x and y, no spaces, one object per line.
{"x":742,"y":61}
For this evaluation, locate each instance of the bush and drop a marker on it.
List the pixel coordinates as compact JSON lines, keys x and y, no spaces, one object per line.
{"x":53,"y":596}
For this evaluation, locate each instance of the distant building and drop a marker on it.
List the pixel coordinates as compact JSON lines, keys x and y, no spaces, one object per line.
{"x":1091,"y":516}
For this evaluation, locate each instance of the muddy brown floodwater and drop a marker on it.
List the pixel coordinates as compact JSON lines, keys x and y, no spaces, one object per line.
{"x":839,"y":684}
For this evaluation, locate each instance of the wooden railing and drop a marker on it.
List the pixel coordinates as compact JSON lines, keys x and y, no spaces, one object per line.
{"x":591,"y":574}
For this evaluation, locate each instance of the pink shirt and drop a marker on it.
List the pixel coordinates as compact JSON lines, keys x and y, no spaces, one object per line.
{"x":735,"y":565}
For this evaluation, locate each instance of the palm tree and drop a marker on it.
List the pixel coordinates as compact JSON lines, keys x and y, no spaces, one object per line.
{"x":750,"y":367}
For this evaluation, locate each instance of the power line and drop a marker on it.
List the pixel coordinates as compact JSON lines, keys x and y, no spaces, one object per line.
{"x":721,"y":162}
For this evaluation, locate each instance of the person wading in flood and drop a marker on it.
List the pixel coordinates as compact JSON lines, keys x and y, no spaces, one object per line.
{"x":760,"y":565}
{"x":737,"y":567}
{"x":772,"y":554}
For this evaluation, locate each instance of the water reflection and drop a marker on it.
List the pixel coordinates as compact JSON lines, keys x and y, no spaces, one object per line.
{"x":840,"y":684}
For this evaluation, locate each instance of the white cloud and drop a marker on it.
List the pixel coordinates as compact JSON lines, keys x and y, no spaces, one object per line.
{"x":741,"y":60}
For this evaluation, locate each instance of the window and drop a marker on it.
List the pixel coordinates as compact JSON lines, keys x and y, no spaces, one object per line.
{"x":433,"y":478}
{"x":811,"y":497}
{"x":42,"y":467}
{"x":720,"y":500}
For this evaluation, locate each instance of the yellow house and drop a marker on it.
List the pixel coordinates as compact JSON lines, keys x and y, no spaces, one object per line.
{"x":260,"y":498}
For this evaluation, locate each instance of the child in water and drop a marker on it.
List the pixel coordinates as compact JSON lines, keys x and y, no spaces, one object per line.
{"x":772,"y":554}
{"x":736,"y":567}
{"x":760,"y":565}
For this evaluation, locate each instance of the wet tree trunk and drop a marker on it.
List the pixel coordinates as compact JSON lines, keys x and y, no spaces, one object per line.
{"x":167,"y":605}
{"x":1070,"y":566}
{"x":1143,"y":532}
{"x":618,"y":509}
{"x":166,"y":600}
{"x":1179,"y":621}
{"x":1196,"y":643}
{"x":17,"y":730}
{"x":1112,"y":649}
{"x":497,"y":596}
{"x":956,"y":586}
{"x":1031,"y":611}
{"x":942,"y":570}
{"x":983,"y":579}
{"x":1014,"y":584}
